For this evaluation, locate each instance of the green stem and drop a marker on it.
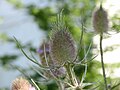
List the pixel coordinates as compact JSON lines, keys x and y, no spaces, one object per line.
{"x":71,"y":75}
{"x":102,"y":62}
{"x":61,"y":86}
{"x":35,"y":84}
{"x":68,"y":68}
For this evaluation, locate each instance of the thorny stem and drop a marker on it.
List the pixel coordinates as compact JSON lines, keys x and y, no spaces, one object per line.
{"x":61,"y":85}
{"x":35,"y":84}
{"x":102,"y":62}
{"x":71,"y":75}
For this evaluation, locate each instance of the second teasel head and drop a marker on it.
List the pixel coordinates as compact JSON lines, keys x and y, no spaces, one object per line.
{"x":100,"y":20}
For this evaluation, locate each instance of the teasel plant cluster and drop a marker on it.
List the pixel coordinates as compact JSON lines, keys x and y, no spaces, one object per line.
{"x":60,"y":55}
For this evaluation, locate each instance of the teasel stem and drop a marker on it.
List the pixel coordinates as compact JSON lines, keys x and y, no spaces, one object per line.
{"x":61,"y":85}
{"x":35,"y":84}
{"x":71,"y":75}
{"x":102,"y":62}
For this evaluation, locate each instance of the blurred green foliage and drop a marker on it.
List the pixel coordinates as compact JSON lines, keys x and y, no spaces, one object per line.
{"x":8,"y":58}
{"x":17,"y":3}
{"x":116,"y":22}
{"x":41,"y":16}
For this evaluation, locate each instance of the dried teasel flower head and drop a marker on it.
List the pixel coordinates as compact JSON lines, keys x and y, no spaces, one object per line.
{"x":100,"y":20}
{"x":56,"y":72}
{"x":21,"y":84}
{"x":62,"y":46}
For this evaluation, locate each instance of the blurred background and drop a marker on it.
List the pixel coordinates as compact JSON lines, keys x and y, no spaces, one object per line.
{"x":30,"y":22}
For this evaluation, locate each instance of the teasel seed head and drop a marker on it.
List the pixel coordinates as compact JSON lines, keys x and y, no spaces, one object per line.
{"x":100,"y":20}
{"x":21,"y":84}
{"x":62,"y":47}
{"x":56,"y":72}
